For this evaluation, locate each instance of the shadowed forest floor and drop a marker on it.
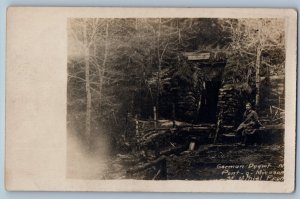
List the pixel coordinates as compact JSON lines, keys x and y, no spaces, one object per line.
{"x":233,"y":162}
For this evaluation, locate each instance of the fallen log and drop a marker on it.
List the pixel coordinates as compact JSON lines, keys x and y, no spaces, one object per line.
{"x":153,"y":138}
{"x":143,"y":167}
{"x":180,"y":127}
{"x":176,"y":150}
{"x":156,"y":133}
{"x":157,"y":129}
{"x":200,"y":129}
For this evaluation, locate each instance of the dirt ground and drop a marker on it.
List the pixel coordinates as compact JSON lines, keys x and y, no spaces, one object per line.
{"x":229,"y":162}
{"x":221,"y":162}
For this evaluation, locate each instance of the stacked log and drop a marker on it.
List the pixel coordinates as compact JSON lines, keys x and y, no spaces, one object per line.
{"x":186,"y":105}
{"x":228,"y":105}
{"x":272,"y":98}
{"x":277,"y":91}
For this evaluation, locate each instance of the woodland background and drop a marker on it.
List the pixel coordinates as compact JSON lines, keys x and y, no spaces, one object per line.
{"x":119,"y":69}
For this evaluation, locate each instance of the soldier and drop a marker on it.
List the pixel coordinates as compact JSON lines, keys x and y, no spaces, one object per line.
{"x":250,"y":120}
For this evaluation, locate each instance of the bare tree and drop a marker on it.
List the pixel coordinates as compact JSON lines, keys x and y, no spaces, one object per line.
{"x":84,"y":32}
{"x":249,"y":39}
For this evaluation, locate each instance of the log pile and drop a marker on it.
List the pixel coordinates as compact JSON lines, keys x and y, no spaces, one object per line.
{"x":277,"y":91}
{"x":228,"y":104}
{"x":186,"y":105}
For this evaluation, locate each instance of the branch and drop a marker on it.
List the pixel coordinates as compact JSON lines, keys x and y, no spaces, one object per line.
{"x":162,"y":54}
{"x":95,"y":29}
{"x":76,"y":38}
{"x":75,"y":77}
{"x":248,"y":53}
{"x":264,"y":62}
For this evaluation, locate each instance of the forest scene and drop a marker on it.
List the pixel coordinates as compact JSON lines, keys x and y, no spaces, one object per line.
{"x":176,"y":98}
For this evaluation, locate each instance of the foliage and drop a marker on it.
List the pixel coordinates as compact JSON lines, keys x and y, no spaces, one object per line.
{"x":119,"y":68}
{"x":247,"y":37}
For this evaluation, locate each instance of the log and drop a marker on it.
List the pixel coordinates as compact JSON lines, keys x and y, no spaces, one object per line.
{"x":166,"y":132}
{"x":157,"y":129}
{"x":274,"y":107}
{"x":153,"y":135}
{"x":143,"y":167}
{"x":176,"y":150}
{"x":197,"y":128}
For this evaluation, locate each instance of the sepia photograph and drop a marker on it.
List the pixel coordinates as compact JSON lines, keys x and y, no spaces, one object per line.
{"x":176,"y":98}
{"x":151,"y":99}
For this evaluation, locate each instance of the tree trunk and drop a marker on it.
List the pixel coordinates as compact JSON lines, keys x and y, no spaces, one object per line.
{"x":159,"y":66}
{"x":102,"y":70}
{"x":87,"y":86}
{"x":257,"y":77}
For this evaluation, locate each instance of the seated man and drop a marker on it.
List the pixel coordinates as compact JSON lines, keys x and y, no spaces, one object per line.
{"x":250,"y":121}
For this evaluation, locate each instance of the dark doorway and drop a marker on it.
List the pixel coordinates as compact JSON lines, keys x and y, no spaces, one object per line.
{"x":209,"y":99}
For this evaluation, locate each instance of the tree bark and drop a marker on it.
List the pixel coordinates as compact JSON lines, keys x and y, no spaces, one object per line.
{"x":159,"y":66}
{"x":257,"y":76}
{"x":102,"y":70}
{"x":87,"y":85}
